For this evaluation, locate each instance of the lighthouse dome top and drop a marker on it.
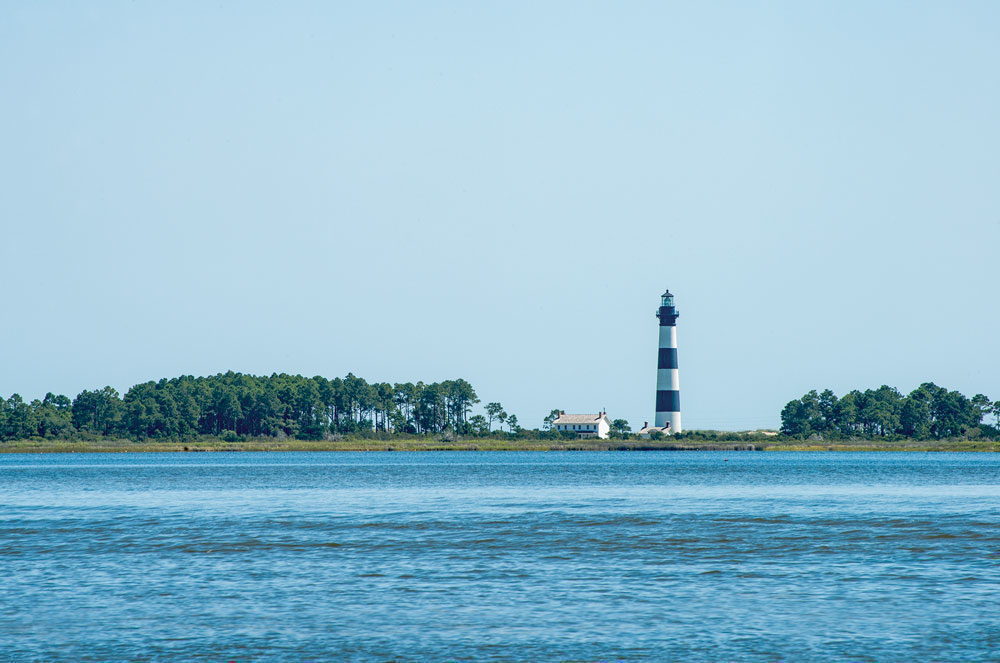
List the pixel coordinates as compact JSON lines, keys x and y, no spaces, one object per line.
{"x":667,"y":299}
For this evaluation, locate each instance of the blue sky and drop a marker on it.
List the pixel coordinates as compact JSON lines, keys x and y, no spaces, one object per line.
{"x":500,"y":191}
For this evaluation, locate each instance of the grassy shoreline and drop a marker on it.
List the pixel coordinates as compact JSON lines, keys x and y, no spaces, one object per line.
{"x":487,"y":444}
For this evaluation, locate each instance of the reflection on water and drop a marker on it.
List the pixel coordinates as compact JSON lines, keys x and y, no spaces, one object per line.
{"x":500,"y":556}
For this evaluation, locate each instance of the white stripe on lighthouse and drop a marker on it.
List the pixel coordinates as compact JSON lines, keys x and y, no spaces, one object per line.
{"x":668,"y":378}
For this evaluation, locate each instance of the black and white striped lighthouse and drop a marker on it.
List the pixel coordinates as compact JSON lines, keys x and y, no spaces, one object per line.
{"x":668,"y":382}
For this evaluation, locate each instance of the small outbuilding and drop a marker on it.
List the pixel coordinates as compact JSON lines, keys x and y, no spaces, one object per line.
{"x":646,"y":431}
{"x":584,"y":425}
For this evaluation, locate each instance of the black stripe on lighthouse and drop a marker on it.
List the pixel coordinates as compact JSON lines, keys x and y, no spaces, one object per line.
{"x":668,"y":400}
{"x":668,"y":358}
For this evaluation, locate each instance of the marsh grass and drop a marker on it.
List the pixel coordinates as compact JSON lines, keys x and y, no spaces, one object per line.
{"x":481,"y":444}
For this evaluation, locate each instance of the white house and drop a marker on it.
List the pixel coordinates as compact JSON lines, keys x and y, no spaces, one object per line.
{"x":584,"y":425}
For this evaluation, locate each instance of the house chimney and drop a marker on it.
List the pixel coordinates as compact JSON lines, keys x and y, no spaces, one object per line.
{"x":645,"y":424}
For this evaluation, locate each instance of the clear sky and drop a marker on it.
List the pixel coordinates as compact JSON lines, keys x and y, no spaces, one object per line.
{"x":500,"y":191}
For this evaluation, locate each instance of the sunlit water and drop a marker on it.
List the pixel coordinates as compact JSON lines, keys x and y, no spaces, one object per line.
{"x":431,"y":556}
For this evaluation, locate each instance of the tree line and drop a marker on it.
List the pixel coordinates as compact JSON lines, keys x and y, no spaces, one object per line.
{"x":927,"y":412}
{"x":233,"y":405}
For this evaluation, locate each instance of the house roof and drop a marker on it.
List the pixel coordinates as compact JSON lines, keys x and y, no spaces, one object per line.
{"x":578,"y":418}
{"x":649,"y":429}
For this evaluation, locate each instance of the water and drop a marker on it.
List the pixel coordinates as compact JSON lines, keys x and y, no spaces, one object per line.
{"x":500,"y":556}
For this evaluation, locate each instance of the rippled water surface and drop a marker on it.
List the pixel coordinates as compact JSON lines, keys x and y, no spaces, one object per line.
{"x":440,"y":556}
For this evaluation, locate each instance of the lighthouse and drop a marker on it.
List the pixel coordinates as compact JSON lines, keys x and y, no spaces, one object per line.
{"x":668,"y":383}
